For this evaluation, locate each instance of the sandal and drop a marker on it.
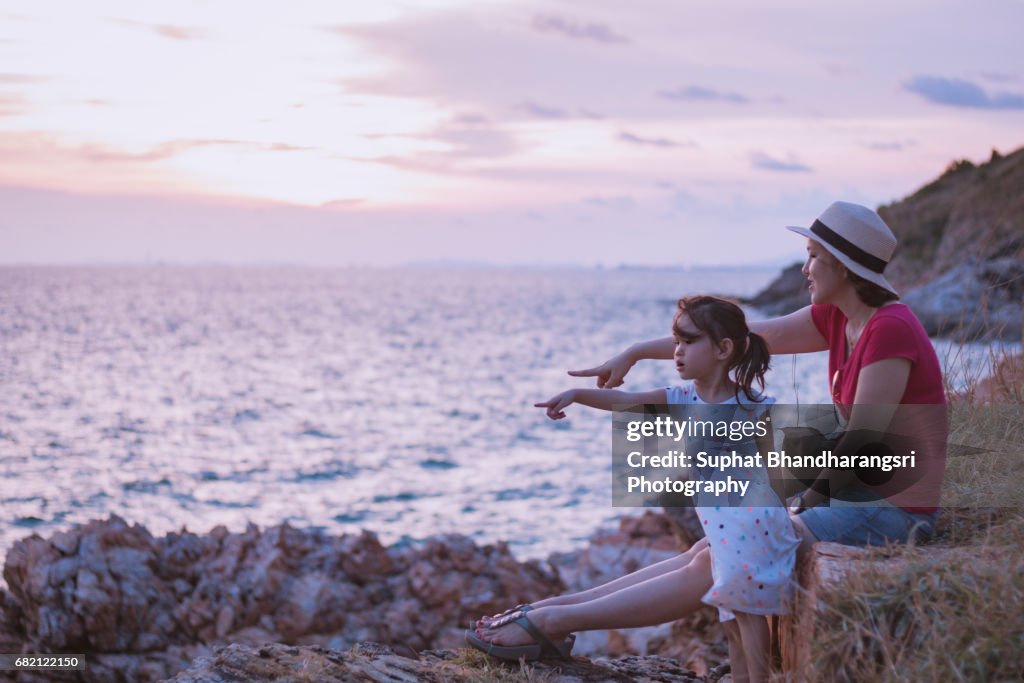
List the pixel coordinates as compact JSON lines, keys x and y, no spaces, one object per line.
{"x":506,"y":617}
{"x":543,"y":648}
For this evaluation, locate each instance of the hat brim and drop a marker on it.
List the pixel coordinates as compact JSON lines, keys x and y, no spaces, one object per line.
{"x":851,"y":265}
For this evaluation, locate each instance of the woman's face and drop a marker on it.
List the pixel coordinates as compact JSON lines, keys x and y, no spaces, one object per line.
{"x":826,"y":276}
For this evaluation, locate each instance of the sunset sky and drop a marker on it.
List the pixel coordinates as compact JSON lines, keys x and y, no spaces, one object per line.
{"x":666,"y":132}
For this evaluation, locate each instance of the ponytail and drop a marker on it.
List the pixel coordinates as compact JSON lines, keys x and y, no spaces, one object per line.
{"x":752,"y":366}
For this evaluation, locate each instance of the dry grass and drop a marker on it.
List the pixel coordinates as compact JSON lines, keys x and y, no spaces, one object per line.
{"x":485,"y":668}
{"x":954,"y":620}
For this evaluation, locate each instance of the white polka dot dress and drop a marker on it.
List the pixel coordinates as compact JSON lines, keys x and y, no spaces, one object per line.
{"x":751,"y":539}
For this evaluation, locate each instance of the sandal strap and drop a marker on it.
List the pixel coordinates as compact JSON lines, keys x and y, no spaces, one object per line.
{"x":545,"y":643}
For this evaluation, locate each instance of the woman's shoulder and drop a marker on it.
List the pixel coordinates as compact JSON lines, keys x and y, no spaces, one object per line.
{"x":897,"y":318}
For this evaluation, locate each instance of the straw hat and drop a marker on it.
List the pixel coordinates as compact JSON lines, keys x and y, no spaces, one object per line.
{"x":857,"y":236}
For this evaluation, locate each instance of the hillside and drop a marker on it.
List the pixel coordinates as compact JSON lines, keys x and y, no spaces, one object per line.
{"x":960,"y":262}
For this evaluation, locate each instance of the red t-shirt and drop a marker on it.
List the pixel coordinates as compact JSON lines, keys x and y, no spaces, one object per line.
{"x":895,"y":332}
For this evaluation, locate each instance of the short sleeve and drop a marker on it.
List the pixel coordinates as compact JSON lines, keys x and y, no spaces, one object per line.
{"x":676,"y":396}
{"x":822,"y":315}
{"x":760,"y":409}
{"x":890,"y":337}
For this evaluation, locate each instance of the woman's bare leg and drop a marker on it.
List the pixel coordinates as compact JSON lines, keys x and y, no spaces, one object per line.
{"x":756,"y":643}
{"x":737,"y":658}
{"x":660,"y":599}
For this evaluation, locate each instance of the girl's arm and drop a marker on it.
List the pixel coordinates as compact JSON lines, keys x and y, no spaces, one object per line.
{"x":605,"y":399}
{"x":610,"y":373}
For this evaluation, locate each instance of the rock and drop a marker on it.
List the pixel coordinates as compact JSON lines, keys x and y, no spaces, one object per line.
{"x":143,"y":608}
{"x":382,"y":664}
{"x":973,"y":301}
{"x":785,"y":294}
{"x":1005,"y":384}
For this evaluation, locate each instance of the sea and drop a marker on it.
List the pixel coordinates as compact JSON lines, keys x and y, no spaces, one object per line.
{"x":395,"y":400}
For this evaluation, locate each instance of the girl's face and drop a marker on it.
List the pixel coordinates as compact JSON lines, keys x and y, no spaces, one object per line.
{"x":825,"y":274}
{"x":697,"y":356}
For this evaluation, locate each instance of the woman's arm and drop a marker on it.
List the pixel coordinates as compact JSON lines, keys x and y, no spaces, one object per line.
{"x":880,"y":388}
{"x":611,"y":373}
{"x":605,"y":399}
{"x":793,"y":333}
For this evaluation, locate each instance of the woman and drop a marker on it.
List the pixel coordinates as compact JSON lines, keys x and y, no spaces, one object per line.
{"x":882,"y":370}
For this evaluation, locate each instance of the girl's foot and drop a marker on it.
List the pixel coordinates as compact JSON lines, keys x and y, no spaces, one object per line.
{"x":512,"y":634}
{"x":485,"y":622}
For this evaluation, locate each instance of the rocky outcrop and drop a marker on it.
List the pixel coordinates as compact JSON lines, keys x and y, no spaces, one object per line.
{"x":143,"y":608}
{"x":976,"y":300}
{"x":960,"y":261}
{"x":372,"y":662}
{"x":784,"y":294}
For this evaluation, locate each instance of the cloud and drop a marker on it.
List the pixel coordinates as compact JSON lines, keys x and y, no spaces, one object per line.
{"x":285,"y":147}
{"x":542,"y":111}
{"x":698,"y":93}
{"x":618,"y":203}
{"x":19,"y":79}
{"x":343,"y":203}
{"x":550,"y":23}
{"x":466,"y":60}
{"x":956,"y":92}
{"x":999,"y":77}
{"x":12,"y":105}
{"x":890,"y":146}
{"x":165,"y":150}
{"x":634,"y":139}
{"x":766,"y":163}
{"x":172,"y":31}
{"x":20,"y":148}
{"x":467,"y":138}
{"x":470,"y":119}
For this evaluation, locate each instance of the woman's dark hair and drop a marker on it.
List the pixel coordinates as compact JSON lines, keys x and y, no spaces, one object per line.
{"x":721,"y":320}
{"x":868,"y":292}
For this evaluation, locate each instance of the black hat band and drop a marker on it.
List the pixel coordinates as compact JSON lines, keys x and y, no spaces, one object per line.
{"x":848,"y":248}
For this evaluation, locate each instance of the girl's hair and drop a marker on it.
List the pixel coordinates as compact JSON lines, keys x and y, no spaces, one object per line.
{"x":721,"y":320}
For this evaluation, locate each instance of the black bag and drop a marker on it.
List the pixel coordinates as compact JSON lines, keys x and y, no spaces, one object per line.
{"x":799,"y":442}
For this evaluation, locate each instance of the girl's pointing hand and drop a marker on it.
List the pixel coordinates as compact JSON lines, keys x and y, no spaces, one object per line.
{"x":557,"y":404}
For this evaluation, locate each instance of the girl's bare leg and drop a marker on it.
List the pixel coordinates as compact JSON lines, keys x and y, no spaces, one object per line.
{"x":755,"y":636}
{"x":660,"y":599}
{"x":639,"y":576}
{"x":737,"y":658}
{"x":806,"y":536}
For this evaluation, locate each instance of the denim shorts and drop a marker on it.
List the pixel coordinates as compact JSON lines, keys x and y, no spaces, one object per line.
{"x":863,"y":520}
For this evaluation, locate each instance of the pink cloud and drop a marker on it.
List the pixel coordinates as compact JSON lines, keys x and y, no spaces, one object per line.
{"x":18,"y":79}
{"x":12,"y":105}
{"x":172,"y":31}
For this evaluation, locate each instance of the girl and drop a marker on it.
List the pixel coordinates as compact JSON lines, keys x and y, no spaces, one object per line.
{"x":752,"y":542}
